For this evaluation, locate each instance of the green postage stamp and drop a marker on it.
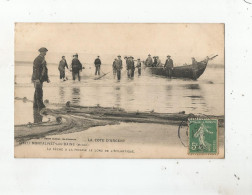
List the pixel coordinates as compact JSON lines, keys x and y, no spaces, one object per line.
{"x":203,"y":136}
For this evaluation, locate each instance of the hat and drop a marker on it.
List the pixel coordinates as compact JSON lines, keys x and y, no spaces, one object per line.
{"x":168,"y":56}
{"x":149,"y":55}
{"x":63,"y":56}
{"x":43,"y":49}
{"x":138,"y":59}
{"x":98,"y":56}
{"x":75,"y":55}
{"x":118,"y":56}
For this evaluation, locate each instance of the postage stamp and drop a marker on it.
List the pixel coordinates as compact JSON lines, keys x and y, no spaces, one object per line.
{"x":203,"y":136}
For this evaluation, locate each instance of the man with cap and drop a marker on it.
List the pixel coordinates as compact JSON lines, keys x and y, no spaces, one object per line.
{"x":118,"y":67}
{"x":39,"y":75}
{"x":149,"y":61}
{"x":76,"y":67}
{"x":97,"y":64}
{"x":139,"y":66}
{"x":61,"y":68}
{"x":169,"y":66}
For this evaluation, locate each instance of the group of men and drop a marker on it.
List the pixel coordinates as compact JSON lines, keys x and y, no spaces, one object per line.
{"x":130,"y":66}
{"x":76,"y":67}
{"x":40,"y":71}
{"x":168,"y":66}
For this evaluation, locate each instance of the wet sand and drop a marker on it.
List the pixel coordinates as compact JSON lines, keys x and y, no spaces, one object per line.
{"x":123,"y":133}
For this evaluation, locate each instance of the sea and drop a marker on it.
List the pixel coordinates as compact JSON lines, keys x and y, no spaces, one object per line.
{"x":142,"y":93}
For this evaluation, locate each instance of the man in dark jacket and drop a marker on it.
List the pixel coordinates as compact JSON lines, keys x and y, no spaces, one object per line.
{"x":39,"y":75}
{"x":149,"y":61}
{"x":97,"y":63}
{"x":76,"y":67}
{"x":61,"y":67}
{"x":130,"y":67}
{"x":169,"y":66}
{"x":114,"y":67}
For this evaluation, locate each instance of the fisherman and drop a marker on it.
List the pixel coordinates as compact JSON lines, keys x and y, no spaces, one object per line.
{"x":194,"y":67}
{"x":139,"y":66}
{"x":158,"y":62}
{"x":126,"y":58}
{"x":155,"y":61}
{"x":169,"y":66}
{"x":97,"y":63}
{"x":130,"y":67}
{"x":114,"y":67}
{"x":61,"y":68}
{"x":118,"y":67}
{"x":149,"y":61}
{"x":39,"y":75}
{"x":76,"y":67}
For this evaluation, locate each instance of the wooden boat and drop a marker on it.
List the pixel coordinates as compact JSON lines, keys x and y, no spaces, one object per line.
{"x":193,"y":71}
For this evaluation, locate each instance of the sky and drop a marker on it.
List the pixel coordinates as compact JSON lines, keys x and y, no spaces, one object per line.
{"x":181,"y":41}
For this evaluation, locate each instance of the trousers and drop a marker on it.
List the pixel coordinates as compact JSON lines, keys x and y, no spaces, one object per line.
{"x":97,"y":69}
{"x":38,"y":95}
{"x":74,"y":74}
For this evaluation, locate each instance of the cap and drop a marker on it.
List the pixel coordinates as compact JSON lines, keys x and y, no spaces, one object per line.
{"x":138,"y":59}
{"x":98,"y":56}
{"x":63,"y":56}
{"x":118,"y":56}
{"x":168,"y":56}
{"x":43,"y":49}
{"x":75,"y":55}
{"x":149,"y":55}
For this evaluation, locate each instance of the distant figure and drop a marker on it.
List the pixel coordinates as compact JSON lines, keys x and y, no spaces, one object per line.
{"x":169,"y":66}
{"x":39,"y":75}
{"x":76,"y":67}
{"x":155,"y":61}
{"x":149,"y":61}
{"x":97,"y":63}
{"x":118,"y":66}
{"x":194,"y":62}
{"x":130,"y":67}
{"x":127,"y":64}
{"x":61,"y":68}
{"x":139,"y":66}
{"x":114,"y":67}
{"x":158,"y":61}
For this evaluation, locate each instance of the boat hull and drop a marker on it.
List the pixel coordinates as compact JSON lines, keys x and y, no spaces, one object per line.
{"x":189,"y":71}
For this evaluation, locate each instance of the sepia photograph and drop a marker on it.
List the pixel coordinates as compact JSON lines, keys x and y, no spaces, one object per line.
{"x":119,"y":90}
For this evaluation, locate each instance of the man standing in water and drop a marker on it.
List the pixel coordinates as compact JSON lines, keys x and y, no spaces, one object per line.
{"x":118,"y":67}
{"x":61,"y":68}
{"x":139,"y":66}
{"x":149,"y":61}
{"x":76,"y":67}
{"x":39,"y":75}
{"x":130,"y":67}
{"x":114,"y":67}
{"x":169,"y":66}
{"x":97,"y":63}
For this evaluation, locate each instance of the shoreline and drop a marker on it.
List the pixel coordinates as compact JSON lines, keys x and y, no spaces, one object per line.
{"x":69,"y":119}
